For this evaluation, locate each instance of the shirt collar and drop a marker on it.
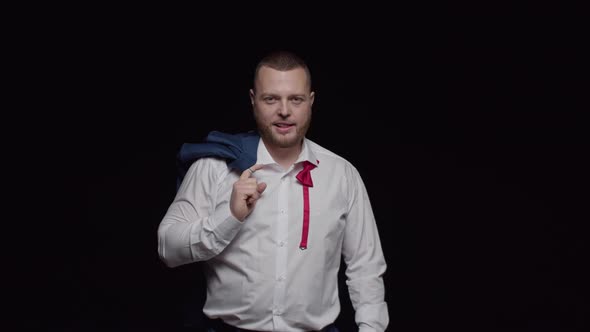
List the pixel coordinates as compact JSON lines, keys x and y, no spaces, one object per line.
{"x":264,"y":157}
{"x":307,"y":153}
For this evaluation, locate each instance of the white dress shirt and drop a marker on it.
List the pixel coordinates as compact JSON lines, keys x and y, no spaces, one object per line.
{"x":257,"y":276}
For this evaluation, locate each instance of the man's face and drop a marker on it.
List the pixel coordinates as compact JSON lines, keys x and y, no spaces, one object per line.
{"x":282,"y":106}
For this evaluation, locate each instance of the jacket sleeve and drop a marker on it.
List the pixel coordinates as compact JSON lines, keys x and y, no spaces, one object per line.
{"x":363,"y":255}
{"x":198,"y":223}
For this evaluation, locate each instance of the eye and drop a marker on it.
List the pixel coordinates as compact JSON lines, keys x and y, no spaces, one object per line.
{"x":297,"y":100}
{"x":269,"y":99}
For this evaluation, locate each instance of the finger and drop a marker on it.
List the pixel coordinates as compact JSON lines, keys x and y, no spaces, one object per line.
{"x":261,"y":187}
{"x":256,"y":167}
{"x":246,"y":188}
{"x":249,"y":171}
{"x":253,"y":198}
{"x":251,"y":182}
{"x":246,"y":195}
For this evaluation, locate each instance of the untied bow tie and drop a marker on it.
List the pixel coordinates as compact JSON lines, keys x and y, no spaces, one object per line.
{"x":304,"y":177}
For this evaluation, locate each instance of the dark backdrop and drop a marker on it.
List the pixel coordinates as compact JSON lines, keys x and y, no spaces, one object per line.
{"x":469,"y":137}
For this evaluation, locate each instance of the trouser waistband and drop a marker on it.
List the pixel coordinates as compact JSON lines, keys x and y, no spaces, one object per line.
{"x":218,"y":325}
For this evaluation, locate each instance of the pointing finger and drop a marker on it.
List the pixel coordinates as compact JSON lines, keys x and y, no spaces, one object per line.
{"x":249,"y":171}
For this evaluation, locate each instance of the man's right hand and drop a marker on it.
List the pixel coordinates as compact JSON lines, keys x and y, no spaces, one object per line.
{"x":246,"y":192}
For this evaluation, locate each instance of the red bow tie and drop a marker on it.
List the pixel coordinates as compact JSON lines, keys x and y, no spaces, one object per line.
{"x":305,"y":175}
{"x":305,"y":178}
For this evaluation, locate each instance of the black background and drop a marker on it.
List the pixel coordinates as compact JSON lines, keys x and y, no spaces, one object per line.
{"x":467,"y":131}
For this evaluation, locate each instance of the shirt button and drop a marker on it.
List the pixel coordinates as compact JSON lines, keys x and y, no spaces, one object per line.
{"x":276,"y":312}
{"x":281,"y":278}
{"x":282,"y":244}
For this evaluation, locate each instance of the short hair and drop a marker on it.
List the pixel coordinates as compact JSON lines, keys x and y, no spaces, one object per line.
{"x":282,"y":61}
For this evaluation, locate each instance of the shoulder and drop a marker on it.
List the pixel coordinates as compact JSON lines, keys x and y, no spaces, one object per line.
{"x":335,"y":161}
{"x":212,"y":167}
{"x":338,"y":171}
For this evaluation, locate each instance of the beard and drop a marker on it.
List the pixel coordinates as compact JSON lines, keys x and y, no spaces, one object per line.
{"x":282,"y":141}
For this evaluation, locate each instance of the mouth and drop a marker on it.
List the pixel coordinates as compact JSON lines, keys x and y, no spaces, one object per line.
{"x":283,"y":127}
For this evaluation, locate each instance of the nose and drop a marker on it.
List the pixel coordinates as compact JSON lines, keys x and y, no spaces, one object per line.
{"x":284,"y":109}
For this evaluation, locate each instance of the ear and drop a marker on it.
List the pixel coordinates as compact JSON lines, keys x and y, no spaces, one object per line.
{"x":311,"y":98}
{"x":252,"y":96}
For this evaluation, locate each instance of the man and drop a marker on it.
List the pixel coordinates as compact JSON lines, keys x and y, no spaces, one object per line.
{"x":272,"y":235}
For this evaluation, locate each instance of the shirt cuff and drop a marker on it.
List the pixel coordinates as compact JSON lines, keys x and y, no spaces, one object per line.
{"x":372,"y":317}
{"x":228,"y":229}
{"x":366,"y":328}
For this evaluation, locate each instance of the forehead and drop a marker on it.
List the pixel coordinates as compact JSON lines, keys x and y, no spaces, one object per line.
{"x":271,"y":80}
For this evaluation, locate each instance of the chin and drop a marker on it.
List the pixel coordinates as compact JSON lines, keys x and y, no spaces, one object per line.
{"x":286,"y":141}
{"x":280,"y":140}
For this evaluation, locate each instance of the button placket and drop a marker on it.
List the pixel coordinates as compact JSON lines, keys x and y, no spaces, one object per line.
{"x":281,"y":257}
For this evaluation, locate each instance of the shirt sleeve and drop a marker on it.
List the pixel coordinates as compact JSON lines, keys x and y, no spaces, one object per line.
{"x":198,"y":224}
{"x":363,"y":255}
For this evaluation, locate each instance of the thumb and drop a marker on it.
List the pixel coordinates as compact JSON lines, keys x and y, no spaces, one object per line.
{"x":261,"y":187}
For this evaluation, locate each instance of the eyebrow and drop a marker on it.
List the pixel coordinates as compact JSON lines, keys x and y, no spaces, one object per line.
{"x":277,"y":95}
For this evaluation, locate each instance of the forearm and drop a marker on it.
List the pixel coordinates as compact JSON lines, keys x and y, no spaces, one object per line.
{"x":182,"y":241}
{"x":365,"y":262}
{"x":367,"y":290}
{"x":367,"y":297}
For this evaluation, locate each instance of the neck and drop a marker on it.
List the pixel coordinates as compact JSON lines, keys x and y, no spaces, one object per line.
{"x":284,"y":156}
